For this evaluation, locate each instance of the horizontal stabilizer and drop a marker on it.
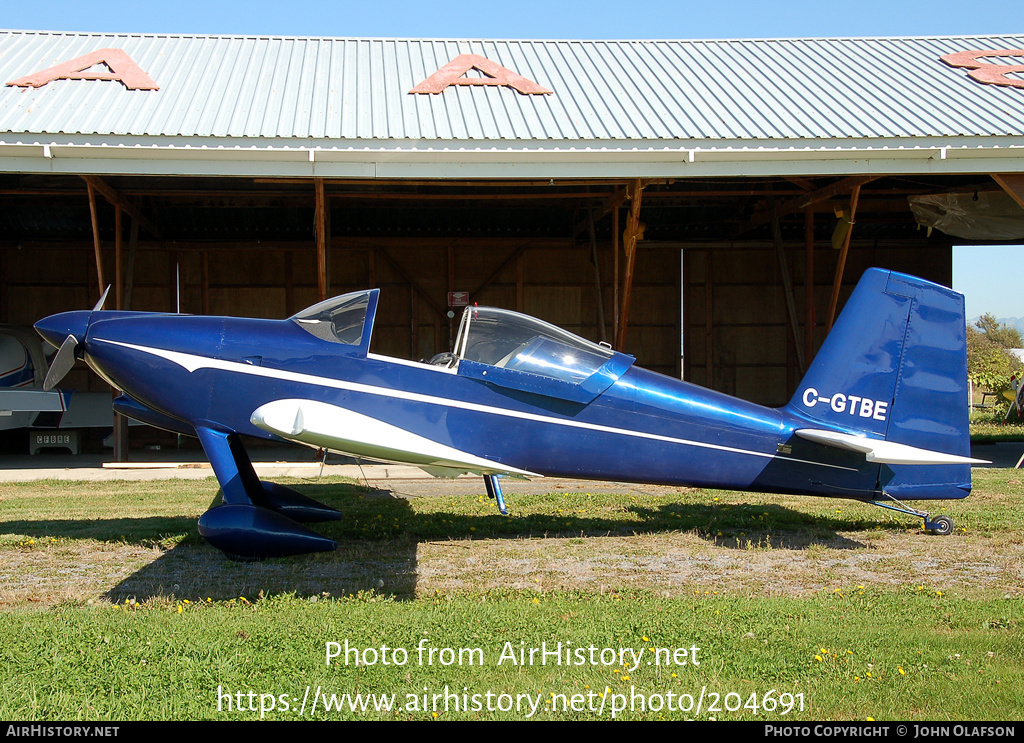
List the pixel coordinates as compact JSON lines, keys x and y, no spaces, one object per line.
{"x":346,"y":431}
{"x":881,"y":451}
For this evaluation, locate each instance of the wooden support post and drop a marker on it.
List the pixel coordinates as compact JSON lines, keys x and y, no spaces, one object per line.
{"x":413,"y":344}
{"x":120,"y":422}
{"x":787,"y":286}
{"x":206,"y":280}
{"x":629,"y":246}
{"x":809,"y":284}
{"x":122,"y":293}
{"x":4,"y":290}
{"x":118,"y":259}
{"x":94,"y":217}
{"x":451,"y":267}
{"x":615,"y":271}
{"x":437,"y":334}
{"x":88,"y":270}
{"x":289,"y":283}
{"x":321,"y":239}
{"x":709,"y":325}
{"x":520,"y":272}
{"x":174,"y":266}
{"x":120,"y":443}
{"x":450,"y":252}
{"x":129,"y":279}
{"x":841,"y":265}
{"x":328,"y":246}
{"x":610,"y":206}
{"x":601,"y":330}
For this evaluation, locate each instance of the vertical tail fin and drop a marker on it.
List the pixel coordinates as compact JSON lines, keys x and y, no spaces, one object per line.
{"x":894,"y":367}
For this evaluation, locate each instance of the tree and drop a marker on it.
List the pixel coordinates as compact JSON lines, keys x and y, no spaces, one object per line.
{"x":989,"y":364}
{"x":1003,"y":335}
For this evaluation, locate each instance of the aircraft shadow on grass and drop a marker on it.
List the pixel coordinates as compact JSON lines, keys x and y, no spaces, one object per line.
{"x":378,"y":540}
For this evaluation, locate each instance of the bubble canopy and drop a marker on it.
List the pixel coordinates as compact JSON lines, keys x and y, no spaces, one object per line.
{"x":340,"y":319}
{"x":496,"y":346}
{"x":509,"y":340}
{"x":520,"y":352}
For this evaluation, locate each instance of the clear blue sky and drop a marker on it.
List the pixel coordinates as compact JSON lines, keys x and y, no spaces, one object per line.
{"x":991,"y":280}
{"x":547,"y":19}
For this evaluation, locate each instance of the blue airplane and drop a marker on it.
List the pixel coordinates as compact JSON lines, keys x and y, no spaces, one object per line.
{"x":880,"y":417}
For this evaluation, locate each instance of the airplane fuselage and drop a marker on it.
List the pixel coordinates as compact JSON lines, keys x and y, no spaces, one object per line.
{"x":645,"y":427}
{"x":880,"y":415}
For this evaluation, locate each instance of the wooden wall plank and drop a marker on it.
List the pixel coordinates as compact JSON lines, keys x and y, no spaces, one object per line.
{"x":749,"y":353}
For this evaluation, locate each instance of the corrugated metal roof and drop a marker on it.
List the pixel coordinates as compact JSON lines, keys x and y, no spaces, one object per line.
{"x":356,"y":90}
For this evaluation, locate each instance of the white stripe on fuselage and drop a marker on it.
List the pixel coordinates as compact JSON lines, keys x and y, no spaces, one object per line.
{"x":192,"y":362}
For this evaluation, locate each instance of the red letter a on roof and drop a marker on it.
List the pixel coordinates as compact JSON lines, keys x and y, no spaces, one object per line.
{"x":452,"y":74}
{"x":122,"y":68}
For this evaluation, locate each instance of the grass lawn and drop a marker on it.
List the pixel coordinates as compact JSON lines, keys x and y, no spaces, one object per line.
{"x":649,"y":603}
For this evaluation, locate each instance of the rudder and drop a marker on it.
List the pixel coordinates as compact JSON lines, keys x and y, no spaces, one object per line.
{"x":895,"y":367}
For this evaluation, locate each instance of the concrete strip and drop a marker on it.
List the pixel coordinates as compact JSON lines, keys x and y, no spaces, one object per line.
{"x":92,"y":467}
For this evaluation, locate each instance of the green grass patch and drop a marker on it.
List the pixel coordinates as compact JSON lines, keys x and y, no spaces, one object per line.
{"x":165,"y":512}
{"x":908,"y":655}
{"x":992,"y":431}
{"x":113,"y":608}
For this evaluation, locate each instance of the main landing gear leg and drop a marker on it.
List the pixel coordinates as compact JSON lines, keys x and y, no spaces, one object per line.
{"x":941,"y":525}
{"x":494,"y":492}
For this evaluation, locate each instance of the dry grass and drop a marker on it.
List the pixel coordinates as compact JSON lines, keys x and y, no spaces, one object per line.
{"x":675,"y":563}
{"x":799,"y":546}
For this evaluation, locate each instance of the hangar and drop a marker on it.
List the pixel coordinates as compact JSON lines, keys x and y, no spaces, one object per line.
{"x":703,"y":205}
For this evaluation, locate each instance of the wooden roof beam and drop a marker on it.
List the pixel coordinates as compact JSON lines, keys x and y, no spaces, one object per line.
{"x":617,"y":199}
{"x":802,"y":183}
{"x":106,"y":191}
{"x":1013,"y":184}
{"x":842,"y":186}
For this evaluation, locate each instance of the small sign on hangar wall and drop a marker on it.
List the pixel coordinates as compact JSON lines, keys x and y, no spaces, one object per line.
{"x":458,"y":299}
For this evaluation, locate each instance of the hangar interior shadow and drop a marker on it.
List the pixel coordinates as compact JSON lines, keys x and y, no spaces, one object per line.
{"x":751,"y":292}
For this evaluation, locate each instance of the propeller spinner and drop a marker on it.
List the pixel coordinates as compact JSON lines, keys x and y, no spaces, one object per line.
{"x":66,"y":331}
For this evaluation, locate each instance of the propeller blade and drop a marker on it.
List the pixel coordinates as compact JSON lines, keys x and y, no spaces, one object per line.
{"x":62,"y":363}
{"x":99,"y":305}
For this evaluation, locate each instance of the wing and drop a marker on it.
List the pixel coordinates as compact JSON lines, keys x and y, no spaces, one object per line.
{"x":342,"y":430}
{"x":32,"y":401}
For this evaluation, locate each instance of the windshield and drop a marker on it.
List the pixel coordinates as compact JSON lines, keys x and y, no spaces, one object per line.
{"x":339,"y":319}
{"x":509,"y":340}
